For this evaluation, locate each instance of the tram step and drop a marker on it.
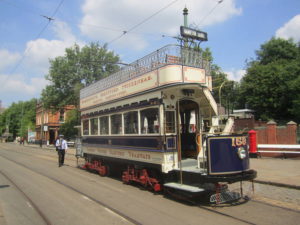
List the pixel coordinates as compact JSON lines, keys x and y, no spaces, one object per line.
{"x":184,"y":187}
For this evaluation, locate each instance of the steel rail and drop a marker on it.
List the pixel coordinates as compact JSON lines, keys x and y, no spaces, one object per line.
{"x":37,"y":209}
{"x":122,"y":215}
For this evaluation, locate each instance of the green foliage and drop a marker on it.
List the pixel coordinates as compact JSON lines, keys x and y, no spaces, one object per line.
{"x":277,"y":50}
{"x":271,"y":85}
{"x":77,"y":68}
{"x":223,"y":87}
{"x":68,"y":128}
{"x":19,"y":117}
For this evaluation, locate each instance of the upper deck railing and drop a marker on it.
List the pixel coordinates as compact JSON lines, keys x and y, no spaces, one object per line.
{"x":168,"y":55}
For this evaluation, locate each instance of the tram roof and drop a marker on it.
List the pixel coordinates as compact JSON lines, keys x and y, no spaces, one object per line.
{"x":168,"y":55}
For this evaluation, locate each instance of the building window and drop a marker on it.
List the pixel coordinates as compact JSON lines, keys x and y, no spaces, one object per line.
{"x":116,"y":124}
{"x":170,"y":122}
{"x":104,"y":125}
{"x":131,"y":122}
{"x":94,"y":126}
{"x":85,"y":127}
{"x":149,"y":121}
{"x":62,"y":115}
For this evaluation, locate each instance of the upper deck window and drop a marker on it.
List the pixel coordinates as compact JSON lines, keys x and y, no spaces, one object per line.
{"x":85,"y":127}
{"x":116,"y":124}
{"x":94,"y":126}
{"x":104,"y":125}
{"x":149,"y":121}
{"x":131,"y":122}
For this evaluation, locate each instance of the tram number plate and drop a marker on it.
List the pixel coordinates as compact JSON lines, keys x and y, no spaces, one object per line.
{"x":238,"y":141}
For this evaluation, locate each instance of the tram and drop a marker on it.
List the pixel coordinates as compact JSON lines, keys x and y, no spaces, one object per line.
{"x":155,"y":122}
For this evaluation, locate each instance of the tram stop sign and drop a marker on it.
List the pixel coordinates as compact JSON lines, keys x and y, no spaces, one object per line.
{"x":187,"y":32}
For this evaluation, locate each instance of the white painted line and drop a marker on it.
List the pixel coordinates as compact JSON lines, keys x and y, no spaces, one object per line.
{"x":29,"y":205}
{"x":86,"y":198}
{"x":115,"y":214}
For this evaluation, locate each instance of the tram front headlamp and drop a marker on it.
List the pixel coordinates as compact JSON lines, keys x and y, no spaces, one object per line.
{"x":242,"y":152}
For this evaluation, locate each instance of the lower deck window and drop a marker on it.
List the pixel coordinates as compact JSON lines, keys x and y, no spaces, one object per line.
{"x":94,"y":126}
{"x":149,"y":121}
{"x":85,"y":127}
{"x":104,"y":125}
{"x":131,"y":122}
{"x":116,"y":124}
{"x":170,"y":121}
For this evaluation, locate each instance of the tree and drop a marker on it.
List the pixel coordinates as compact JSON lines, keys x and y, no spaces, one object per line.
{"x":221,"y":85}
{"x":77,"y":68}
{"x":68,"y":128}
{"x":19,"y":117}
{"x":271,"y":85}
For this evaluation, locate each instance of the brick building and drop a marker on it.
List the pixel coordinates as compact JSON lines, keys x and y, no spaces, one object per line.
{"x":48,"y":123}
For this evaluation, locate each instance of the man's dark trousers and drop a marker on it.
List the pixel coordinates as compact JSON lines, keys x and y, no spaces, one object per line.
{"x":61,"y":157}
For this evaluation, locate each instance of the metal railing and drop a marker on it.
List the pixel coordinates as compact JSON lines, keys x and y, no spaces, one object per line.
{"x":168,"y":55}
{"x":278,"y":146}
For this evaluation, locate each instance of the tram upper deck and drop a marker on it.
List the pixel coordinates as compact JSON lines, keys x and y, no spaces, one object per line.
{"x":167,"y":66}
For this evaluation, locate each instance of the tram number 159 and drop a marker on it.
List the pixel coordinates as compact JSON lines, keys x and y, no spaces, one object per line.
{"x":238,"y":141}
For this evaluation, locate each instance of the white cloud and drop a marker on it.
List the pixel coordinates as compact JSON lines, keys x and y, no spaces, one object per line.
{"x":38,"y":52}
{"x":8,"y":58}
{"x":235,"y":74}
{"x":18,"y":84}
{"x":291,"y":29}
{"x":121,"y":15}
{"x":30,"y":80}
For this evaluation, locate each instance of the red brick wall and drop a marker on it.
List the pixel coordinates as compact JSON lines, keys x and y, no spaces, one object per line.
{"x":261,"y":136}
{"x":268,"y":133}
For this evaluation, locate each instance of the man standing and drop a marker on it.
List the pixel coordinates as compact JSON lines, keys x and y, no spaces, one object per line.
{"x":61,"y":146}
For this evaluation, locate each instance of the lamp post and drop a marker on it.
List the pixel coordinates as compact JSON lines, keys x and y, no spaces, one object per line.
{"x":220,"y":90}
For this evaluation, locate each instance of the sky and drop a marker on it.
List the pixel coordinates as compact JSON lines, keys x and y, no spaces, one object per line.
{"x":28,"y":39}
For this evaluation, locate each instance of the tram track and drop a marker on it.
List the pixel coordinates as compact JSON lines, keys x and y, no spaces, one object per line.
{"x":129,"y":219}
{"x":101,"y":203}
{"x":36,"y":208}
{"x":206,"y":208}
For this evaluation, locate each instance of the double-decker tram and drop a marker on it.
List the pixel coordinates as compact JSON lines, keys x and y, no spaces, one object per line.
{"x":154,"y":122}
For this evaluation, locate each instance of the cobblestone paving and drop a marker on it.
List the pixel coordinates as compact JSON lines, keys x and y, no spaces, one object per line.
{"x":270,"y":194}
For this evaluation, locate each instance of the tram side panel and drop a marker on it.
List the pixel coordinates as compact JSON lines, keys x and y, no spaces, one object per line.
{"x":146,"y":152}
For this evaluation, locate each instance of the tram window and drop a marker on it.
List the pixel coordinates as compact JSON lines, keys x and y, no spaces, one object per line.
{"x":149,"y":121}
{"x":116,"y":124}
{"x":104,"y":125}
{"x":85,"y":127}
{"x":94,"y":126}
{"x":170,"y":122}
{"x":131,"y":122}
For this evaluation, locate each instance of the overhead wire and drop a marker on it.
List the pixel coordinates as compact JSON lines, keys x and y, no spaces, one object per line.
{"x":210,"y":12}
{"x":140,"y":23}
{"x":39,"y":34}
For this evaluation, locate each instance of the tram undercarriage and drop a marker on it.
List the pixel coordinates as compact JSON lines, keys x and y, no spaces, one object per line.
{"x":197,"y":186}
